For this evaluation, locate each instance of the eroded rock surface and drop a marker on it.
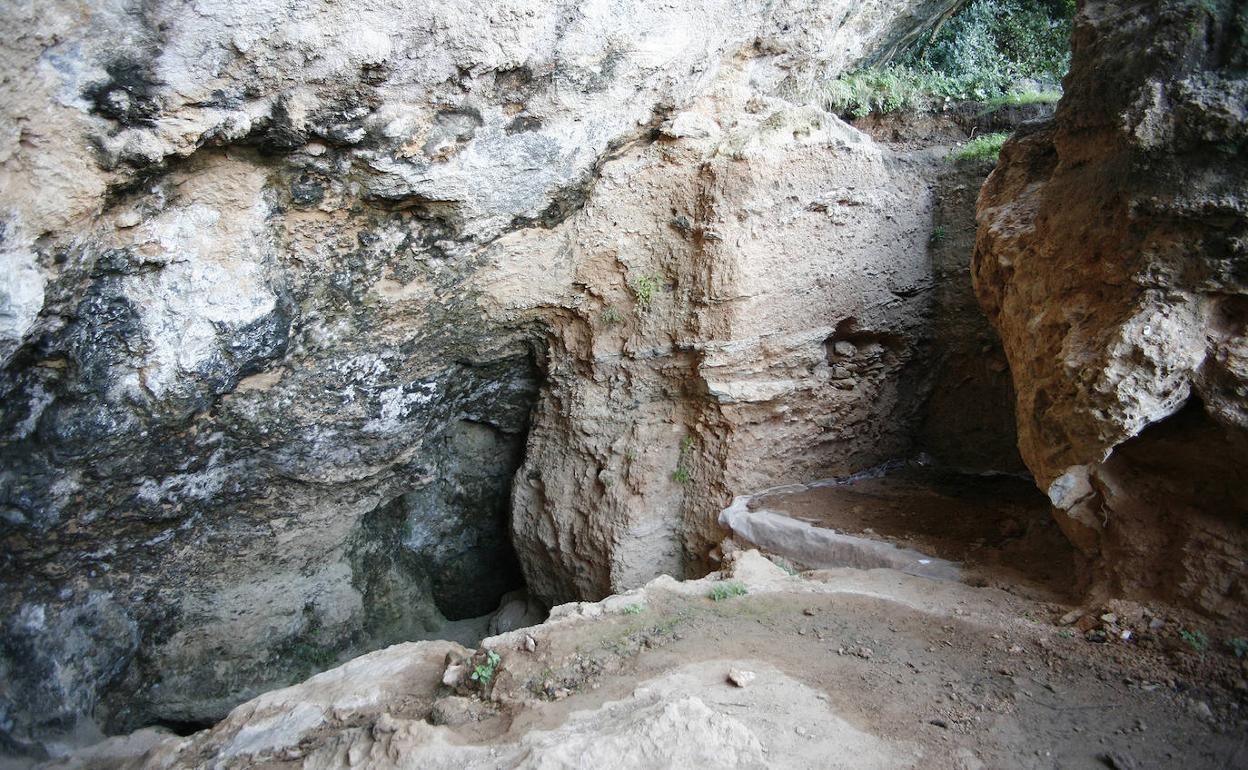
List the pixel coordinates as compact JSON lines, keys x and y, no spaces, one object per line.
{"x":1111,"y":257}
{"x":282,"y":281}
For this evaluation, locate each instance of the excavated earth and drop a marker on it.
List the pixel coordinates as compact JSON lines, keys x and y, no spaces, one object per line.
{"x":841,"y":669}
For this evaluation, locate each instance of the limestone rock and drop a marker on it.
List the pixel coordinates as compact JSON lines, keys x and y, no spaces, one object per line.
{"x":1110,"y":256}
{"x":741,"y":677}
{"x":282,"y":280}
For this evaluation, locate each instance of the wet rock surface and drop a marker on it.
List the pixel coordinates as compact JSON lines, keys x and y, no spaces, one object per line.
{"x":1110,"y":256}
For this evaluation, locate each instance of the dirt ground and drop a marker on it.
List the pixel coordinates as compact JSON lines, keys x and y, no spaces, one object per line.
{"x":973,"y":687}
{"x":847,"y":669}
{"x":998,"y":526}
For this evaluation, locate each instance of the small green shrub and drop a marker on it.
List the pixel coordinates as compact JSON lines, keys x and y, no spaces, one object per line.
{"x":681,"y":475}
{"x":630,"y":455}
{"x":938,"y":235}
{"x":611,"y":316}
{"x":633,"y":609}
{"x":484,"y":672}
{"x":645,"y":288}
{"x":1194,"y":639}
{"x":1239,"y":646}
{"x":727,"y":591}
{"x":986,"y":147}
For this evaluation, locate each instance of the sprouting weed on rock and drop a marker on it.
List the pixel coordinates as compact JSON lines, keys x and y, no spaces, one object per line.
{"x":484,"y":672}
{"x":645,"y":288}
{"x":611,"y":316}
{"x":1194,"y":639}
{"x":727,"y":591}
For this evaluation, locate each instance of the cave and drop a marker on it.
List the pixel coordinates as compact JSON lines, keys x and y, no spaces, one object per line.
{"x":448,"y":541}
{"x":699,"y":383}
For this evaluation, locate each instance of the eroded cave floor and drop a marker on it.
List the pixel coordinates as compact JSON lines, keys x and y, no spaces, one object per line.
{"x":852,"y":669}
{"x":997,"y":527}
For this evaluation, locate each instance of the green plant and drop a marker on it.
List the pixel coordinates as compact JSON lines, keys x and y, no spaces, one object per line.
{"x":938,"y":235}
{"x":784,"y":564}
{"x":484,"y":672}
{"x":681,"y":474}
{"x":630,"y":455}
{"x":1194,"y":639}
{"x":986,"y":147}
{"x":633,"y":609}
{"x":611,"y":315}
{"x":1015,"y":99}
{"x":1066,"y":633}
{"x":645,"y":288}
{"x":727,"y":591}
{"x":989,"y":50}
{"x":1239,"y":646}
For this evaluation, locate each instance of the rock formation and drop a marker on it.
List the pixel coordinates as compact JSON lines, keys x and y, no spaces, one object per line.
{"x":285,"y":281}
{"x":1112,"y":258}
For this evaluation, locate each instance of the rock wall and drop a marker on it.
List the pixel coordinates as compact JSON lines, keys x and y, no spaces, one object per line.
{"x":283,"y":279}
{"x":1111,"y":256}
{"x":747,"y":292}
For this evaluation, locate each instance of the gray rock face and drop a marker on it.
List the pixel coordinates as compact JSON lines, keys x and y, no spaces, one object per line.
{"x":1111,"y":257}
{"x":265,"y":375}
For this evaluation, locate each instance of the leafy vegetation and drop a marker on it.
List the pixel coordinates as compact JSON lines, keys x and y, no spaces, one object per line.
{"x":611,"y":315}
{"x":986,"y":147}
{"x":1194,"y":639}
{"x":1020,"y":98}
{"x":993,"y":51}
{"x":645,"y":288}
{"x":681,"y":474}
{"x":727,"y":591}
{"x":633,"y":609}
{"x":1239,"y":646}
{"x":484,"y":672}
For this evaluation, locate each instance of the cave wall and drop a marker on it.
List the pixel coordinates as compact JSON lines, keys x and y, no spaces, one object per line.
{"x":1111,"y":256}
{"x":277,"y":274}
{"x":789,"y":256}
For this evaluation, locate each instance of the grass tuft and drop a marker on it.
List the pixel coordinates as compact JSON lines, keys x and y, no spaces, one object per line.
{"x":986,"y":147}
{"x":727,"y":591}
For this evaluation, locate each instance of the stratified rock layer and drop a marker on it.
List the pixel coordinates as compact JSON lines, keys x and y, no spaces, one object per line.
{"x":1112,"y":256}
{"x":283,"y":279}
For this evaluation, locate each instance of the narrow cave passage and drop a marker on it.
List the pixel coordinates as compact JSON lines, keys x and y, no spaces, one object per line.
{"x":438,"y":561}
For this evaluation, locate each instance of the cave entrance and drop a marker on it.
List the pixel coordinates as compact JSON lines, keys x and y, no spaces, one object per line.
{"x":438,"y":561}
{"x":435,"y":559}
